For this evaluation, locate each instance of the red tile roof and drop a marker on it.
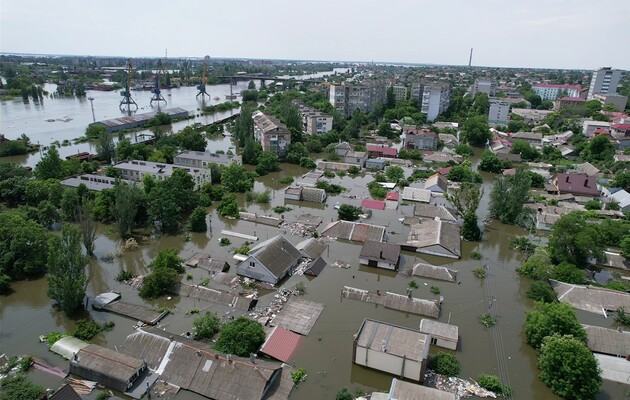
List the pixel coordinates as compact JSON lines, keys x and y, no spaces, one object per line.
{"x":387,"y":151}
{"x":577,"y":184}
{"x":551,"y":85}
{"x":623,"y":127}
{"x":392,"y":196}
{"x":374,"y":204}
{"x":281,"y":344}
{"x":601,"y":131}
{"x":569,"y":98}
{"x":444,"y":171}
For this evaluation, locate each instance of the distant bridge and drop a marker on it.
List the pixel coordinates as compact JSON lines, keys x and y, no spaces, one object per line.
{"x":235,"y":78}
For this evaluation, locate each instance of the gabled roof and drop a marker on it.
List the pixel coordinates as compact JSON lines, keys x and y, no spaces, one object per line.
{"x":106,"y":362}
{"x":434,"y":272}
{"x":392,"y":339}
{"x":615,"y":342}
{"x":379,"y":251}
{"x":439,"y":329}
{"x":276,"y":254}
{"x":66,"y":392}
{"x":587,"y":168}
{"x":313,"y":247}
{"x":435,"y":233}
{"x":356,"y":231}
{"x":281,"y":344}
{"x":314,"y":268}
{"x":434,"y":211}
{"x":416,"y":194}
{"x":577,"y":184}
{"x":622,"y":198}
{"x":590,"y":298}
{"x":437,"y":180}
{"x":401,"y":390}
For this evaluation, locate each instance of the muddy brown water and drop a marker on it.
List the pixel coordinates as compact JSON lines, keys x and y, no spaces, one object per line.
{"x":326,"y":353}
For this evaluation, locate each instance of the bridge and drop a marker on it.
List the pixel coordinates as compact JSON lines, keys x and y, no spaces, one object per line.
{"x":235,"y":78}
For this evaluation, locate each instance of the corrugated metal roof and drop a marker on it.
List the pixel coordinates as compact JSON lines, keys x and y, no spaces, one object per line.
{"x":373,"y":204}
{"x":378,"y":251}
{"x":608,"y":341}
{"x":299,"y":315}
{"x":590,"y":298}
{"x":314,"y":268}
{"x":281,"y":344}
{"x":439,"y":329}
{"x":392,"y":339}
{"x":106,"y":362}
{"x":276,"y":254}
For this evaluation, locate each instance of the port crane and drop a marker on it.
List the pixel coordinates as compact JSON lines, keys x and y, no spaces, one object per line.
{"x":157,"y":95}
{"x":202,"y":87}
{"x":126,"y":94}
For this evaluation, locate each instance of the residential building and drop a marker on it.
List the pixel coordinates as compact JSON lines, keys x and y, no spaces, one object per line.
{"x":436,"y":183}
{"x":417,"y":89}
{"x":203,"y":159}
{"x":532,"y":138}
{"x":343,"y":148}
{"x":305,"y":193}
{"x":622,"y":198}
{"x":393,"y":349}
{"x":347,"y":97}
{"x":313,"y":122}
{"x":416,"y":194}
{"x":354,"y":231}
{"x":107,"y":367}
{"x":93,"y":182}
{"x":614,"y":342}
{"x":135,"y":170}
{"x":433,"y":211}
{"x":423,"y":139}
{"x":605,"y":81}
{"x":357,"y":158}
{"x":589,"y":127}
{"x":576,"y":184}
{"x":312,"y":247}
{"x":378,"y":150}
{"x":436,"y":98}
{"x":375,"y":163}
{"x":430,"y":271}
{"x":620,"y":130}
{"x":567,"y":101}
{"x":551,"y":92}
{"x":401,"y":390}
{"x":273,"y":135}
{"x":442,"y":335}
{"x":484,"y":85}
{"x":442,"y":157}
{"x":371,"y":204}
{"x":270,"y":261}
{"x":380,"y":255}
{"x":499,"y":112}
{"x":338,"y":97}
{"x":531,"y":116}
{"x":400,"y":92}
{"x":434,"y":237}
{"x":615,"y":99}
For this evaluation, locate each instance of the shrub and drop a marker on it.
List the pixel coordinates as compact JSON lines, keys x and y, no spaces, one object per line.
{"x":224,"y":242}
{"x":300,"y":288}
{"x":353,"y":170}
{"x":445,"y":364}
{"x":487,"y":320}
{"x":435,"y":290}
{"x":281,"y":209}
{"x":206,"y":326}
{"x":86,"y":329}
{"x":298,"y":375}
{"x":19,"y":387}
{"x":52,"y":337}
{"x":241,"y":337}
{"x":287,"y":180}
{"x":475,"y":255}
{"x":541,"y":291}
{"x":244,"y":249}
{"x":108,"y":326}
{"x":493,"y":383}
{"x":413,"y":284}
{"x":123,"y":275}
{"x":622,"y":317}
{"x":479,"y":272}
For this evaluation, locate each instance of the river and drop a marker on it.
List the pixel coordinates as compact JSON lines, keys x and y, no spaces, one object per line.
{"x":327,"y":352}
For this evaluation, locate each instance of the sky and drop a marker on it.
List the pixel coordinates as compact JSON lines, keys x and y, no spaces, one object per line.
{"x":580,"y":34}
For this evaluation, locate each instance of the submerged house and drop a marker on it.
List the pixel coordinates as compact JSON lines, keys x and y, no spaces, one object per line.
{"x":270,"y":261}
{"x":442,"y":335}
{"x":434,"y":237}
{"x":107,"y":367}
{"x":379,"y":254}
{"x":305,"y":193}
{"x":393,"y":349}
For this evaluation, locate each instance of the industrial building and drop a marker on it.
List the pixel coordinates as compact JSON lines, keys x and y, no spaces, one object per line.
{"x":138,"y":120}
{"x":135,"y":170}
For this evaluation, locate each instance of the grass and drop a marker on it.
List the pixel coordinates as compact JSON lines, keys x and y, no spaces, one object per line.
{"x":475,"y":255}
{"x":479,"y":272}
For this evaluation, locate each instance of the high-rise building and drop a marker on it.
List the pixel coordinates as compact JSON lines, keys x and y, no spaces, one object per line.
{"x":348,"y":97}
{"x":548,"y":91}
{"x":400,"y":92}
{"x":605,"y":81}
{"x":436,"y":98}
{"x":487,"y":86}
{"x":499,"y":111}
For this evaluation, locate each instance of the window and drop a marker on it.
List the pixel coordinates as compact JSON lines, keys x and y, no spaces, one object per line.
{"x":433,"y":340}
{"x":252,"y":264}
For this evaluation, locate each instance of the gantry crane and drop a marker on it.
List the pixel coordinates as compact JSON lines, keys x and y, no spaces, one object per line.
{"x":202,"y":87}
{"x":157,"y":95}
{"x":126,"y":94}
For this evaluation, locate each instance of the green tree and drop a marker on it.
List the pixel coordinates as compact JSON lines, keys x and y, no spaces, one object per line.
{"x":538,"y":266}
{"x":228,"y":207}
{"x":251,"y":85}
{"x":23,"y":246}
{"x":94,"y":131}
{"x":87,"y":224}
{"x":475,"y":130}
{"x":191,"y":139}
{"x":344,"y":394}
{"x":347,"y":212}
{"x":537,"y":180}
{"x":394,"y":173}
{"x":549,"y":319}
{"x":127,"y":199}
{"x":18,"y":387}
{"x":527,"y":152}
{"x":67,"y":280}
{"x":296,"y":152}
{"x":509,"y":194}
{"x":569,"y":368}
{"x":569,"y":273}
{"x":69,"y":204}
{"x":165,"y":207}
{"x":622,"y":180}
{"x":105,"y":148}
{"x":574,"y":240}
{"x":464,"y":150}
{"x":391,"y":98}
{"x":267,"y":162}
{"x":235,"y":179}
{"x":599,"y":148}
{"x":198,"y":220}
{"x":241,"y":337}
{"x":164,"y":274}
{"x":593,"y":204}
{"x":463,"y":173}
{"x":541,"y":291}
{"x":466,"y":199}
{"x":206,"y":326}
{"x":490,"y":162}
{"x":445,"y":364}
{"x":50,"y":166}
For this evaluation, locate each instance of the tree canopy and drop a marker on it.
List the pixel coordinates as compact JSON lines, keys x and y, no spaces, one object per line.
{"x":509,"y":194}
{"x":549,"y":319}
{"x":575,"y":240}
{"x":347,"y":212}
{"x":241,"y":337}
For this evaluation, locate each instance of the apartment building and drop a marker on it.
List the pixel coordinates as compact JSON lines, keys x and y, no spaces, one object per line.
{"x":484,"y":85}
{"x":273,"y":135}
{"x":436,"y":98}
{"x":135,"y":170}
{"x":203,"y":159}
{"x":348,"y":97}
{"x":548,"y":91}
{"x":400,"y":92}
{"x":314,"y":122}
{"x":604,"y":81}
{"x":499,"y":111}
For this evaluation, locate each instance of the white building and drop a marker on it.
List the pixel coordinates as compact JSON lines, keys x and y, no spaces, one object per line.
{"x":551,"y":92}
{"x":605,"y":81}
{"x":487,"y":86}
{"x":436,"y":98}
{"x":393,"y":349}
{"x":203,"y":159}
{"x":135,"y":170}
{"x":442,"y":335}
{"x":499,"y":112}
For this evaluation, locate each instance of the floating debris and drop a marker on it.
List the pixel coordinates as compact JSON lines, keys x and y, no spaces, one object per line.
{"x":341,"y":264}
{"x":461,"y":387}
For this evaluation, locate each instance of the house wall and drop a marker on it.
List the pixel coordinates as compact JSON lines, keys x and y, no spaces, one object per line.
{"x":290,"y":196}
{"x":373,"y":165}
{"x":378,"y":264}
{"x":257,"y":272}
{"x":389,"y":363}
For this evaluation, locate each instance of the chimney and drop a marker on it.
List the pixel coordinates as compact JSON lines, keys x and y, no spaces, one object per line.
{"x":586,"y":182}
{"x":567,"y":179}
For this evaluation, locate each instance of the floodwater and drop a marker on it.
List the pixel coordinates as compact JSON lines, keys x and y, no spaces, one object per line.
{"x":326,"y":353}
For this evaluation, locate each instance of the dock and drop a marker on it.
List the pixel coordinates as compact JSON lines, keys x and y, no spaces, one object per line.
{"x":394,"y":301}
{"x":260,"y":219}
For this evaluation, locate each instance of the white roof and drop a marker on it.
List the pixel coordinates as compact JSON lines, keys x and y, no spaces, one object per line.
{"x":622,"y":197}
{"x":416,"y":194}
{"x":68,"y":346}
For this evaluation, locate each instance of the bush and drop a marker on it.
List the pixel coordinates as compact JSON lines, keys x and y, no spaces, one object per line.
{"x":206,"y":326}
{"x":198,"y":220}
{"x":108,"y":326}
{"x":86,"y":329}
{"x":493,"y":383}
{"x":435,"y":290}
{"x":281,"y":209}
{"x":241,"y":337}
{"x":541,"y":291}
{"x":475,"y":255}
{"x":18,"y":387}
{"x":353,"y":170}
{"x":224,"y":242}
{"x":622,"y":317}
{"x":298,"y":375}
{"x":124,"y":275}
{"x":344,"y":394}
{"x":487,"y":320}
{"x":349,"y":213}
{"x":445,"y":364}
{"x":479,"y":272}
{"x":52,"y":337}
{"x":287,"y":180}
{"x":244,"y":249}
{"x":306,"y":162}
{"x":413,"y":284}
{"x":549,"y":319}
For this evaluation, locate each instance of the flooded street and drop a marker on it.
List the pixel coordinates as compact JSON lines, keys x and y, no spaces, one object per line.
{"x":327,"y":352}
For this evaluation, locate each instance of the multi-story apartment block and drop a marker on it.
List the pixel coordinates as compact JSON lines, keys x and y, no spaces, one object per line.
{"x":203,"y":159}
{"x":348,"y":97}
{"x":487,"y":86}
{"x":436,"y":98}
{"x":314,"y":122}
{"x":605,"y":81}
{"x":273,"y":135}
{"x":422,"y":139}
{"x":400,"y":92}
{"x":135,"y":170}
{"x":499,"y":111}
{"x":417,"y":88}
{"x":551,"y":92}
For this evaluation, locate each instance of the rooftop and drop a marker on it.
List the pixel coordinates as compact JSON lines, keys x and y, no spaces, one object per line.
{"x":434,"y":272}
{"x":355,"y":231}
{"x":401,"y":390}
{"x":151,"y":167}
{"x":108,"y":362}
{"x":589,"y":298}
{"x":208,"y":156}
{"x":615,"y":342}
{"x":439,"y":329}
{"x":276,"y":254}
{"x":392,"y":339}
{"x":281,"y":344}
{"x":379,"y":251}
